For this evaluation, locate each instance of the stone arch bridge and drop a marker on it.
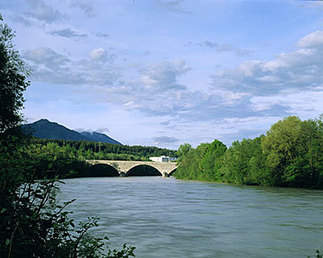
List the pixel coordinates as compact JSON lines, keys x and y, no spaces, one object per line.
{"x":166,"y":169}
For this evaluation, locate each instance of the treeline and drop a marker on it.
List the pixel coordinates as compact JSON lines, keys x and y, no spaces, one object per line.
{"x":290,"y":154}
{"x":96,"y":150}
{"x":51,"y":160}
{"x":67,"y":159}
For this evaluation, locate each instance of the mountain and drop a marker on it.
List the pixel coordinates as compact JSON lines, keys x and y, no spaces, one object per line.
{"x":45,"y":129}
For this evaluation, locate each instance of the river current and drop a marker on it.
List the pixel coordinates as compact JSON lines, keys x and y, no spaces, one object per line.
{"x":165,"y":217}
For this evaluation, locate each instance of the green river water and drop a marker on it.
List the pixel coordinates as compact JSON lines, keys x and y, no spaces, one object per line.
{"x":165,"y":217}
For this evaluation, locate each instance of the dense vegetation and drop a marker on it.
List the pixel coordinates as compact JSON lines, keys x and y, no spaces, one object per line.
{"x":95,"y":150}
{"x":290,"y":154}
{"x":32,"y":222}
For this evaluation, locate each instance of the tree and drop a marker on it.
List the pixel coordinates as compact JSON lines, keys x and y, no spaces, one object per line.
{"x":32,"y":222}
{"x":183,"y":149}
{"x":293,"y":149}
{"x":201,"y":163}
{"x":211,"y":159}
{"x":13,"y":74}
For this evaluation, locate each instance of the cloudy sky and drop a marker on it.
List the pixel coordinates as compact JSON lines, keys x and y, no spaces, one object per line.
{"x":166,"y":72}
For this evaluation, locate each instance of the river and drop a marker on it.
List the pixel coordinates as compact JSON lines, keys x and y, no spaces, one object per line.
{"x":165,"y":217}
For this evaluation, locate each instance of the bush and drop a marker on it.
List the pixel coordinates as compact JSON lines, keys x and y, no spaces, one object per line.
{"x":32,"y":222}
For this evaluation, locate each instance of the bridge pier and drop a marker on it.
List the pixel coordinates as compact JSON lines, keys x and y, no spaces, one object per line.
{"x":165,"y":174}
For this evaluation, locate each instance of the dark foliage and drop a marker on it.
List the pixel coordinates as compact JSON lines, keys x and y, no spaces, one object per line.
{"x":13,"y":81}
{"x":32,"y":222}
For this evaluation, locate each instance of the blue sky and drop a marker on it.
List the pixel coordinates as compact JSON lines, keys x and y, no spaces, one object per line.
{"x":166,"y":72}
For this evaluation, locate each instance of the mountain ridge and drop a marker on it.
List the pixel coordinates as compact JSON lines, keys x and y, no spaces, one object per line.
{"x":46,"y":129}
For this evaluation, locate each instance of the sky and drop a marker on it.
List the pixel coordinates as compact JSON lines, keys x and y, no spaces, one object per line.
{"x":167,"y":72}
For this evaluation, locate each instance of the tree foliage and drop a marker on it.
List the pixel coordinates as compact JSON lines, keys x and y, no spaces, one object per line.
{"x":290,"y":154}
{"x":13,"y":74}
{"x":201,"y":163}
{"x":182,"y":150}
{"x":32,"y":222}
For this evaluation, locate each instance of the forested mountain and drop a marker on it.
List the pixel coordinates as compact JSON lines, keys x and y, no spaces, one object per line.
{"x":87,"y":145}
{"x":45,"y":129}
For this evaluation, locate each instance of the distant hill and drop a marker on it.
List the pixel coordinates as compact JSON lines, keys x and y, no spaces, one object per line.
{"x":45,"y":129}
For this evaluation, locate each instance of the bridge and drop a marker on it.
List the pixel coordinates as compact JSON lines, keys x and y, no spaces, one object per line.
{"x":124,"y":168}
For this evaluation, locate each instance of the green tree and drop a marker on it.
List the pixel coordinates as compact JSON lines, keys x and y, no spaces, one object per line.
{"x":293,"y":150}
{"x":32,"y":222}
{"x":183,"y":149}
{"x":289,"y":155}
{"x":13,"y":74}
{"x":281,"y":140}
{"x":200,"y":163}
{"x":243,"y":163}
{"x":210,"y":163}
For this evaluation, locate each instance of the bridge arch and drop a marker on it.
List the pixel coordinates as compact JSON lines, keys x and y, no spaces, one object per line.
{"x":143,"y":170}
{"x":102,"y":170}
{"x":124,"y":166}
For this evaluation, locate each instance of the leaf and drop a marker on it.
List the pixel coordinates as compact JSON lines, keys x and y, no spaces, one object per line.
{"x":8,"y":241}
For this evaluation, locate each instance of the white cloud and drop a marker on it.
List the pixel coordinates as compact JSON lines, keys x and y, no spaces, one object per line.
{"x":305,"y":103}
{"x":314,"y":39}
{"x":157,"y":89}
{"x":156,"y":92}
{"x":296,"y":70}
{"x":100,"y":54}
{"x":50,"y":66}
{"x":163,"y":76}
{"x":46,"y":56}
{"x":224,"y":48}
{"x":43,"y":12}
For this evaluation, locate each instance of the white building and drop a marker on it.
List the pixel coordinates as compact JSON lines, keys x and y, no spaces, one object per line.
{"x":161,"y":159}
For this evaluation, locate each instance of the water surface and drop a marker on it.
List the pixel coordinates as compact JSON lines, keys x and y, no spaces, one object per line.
{"x":165,"y":217}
